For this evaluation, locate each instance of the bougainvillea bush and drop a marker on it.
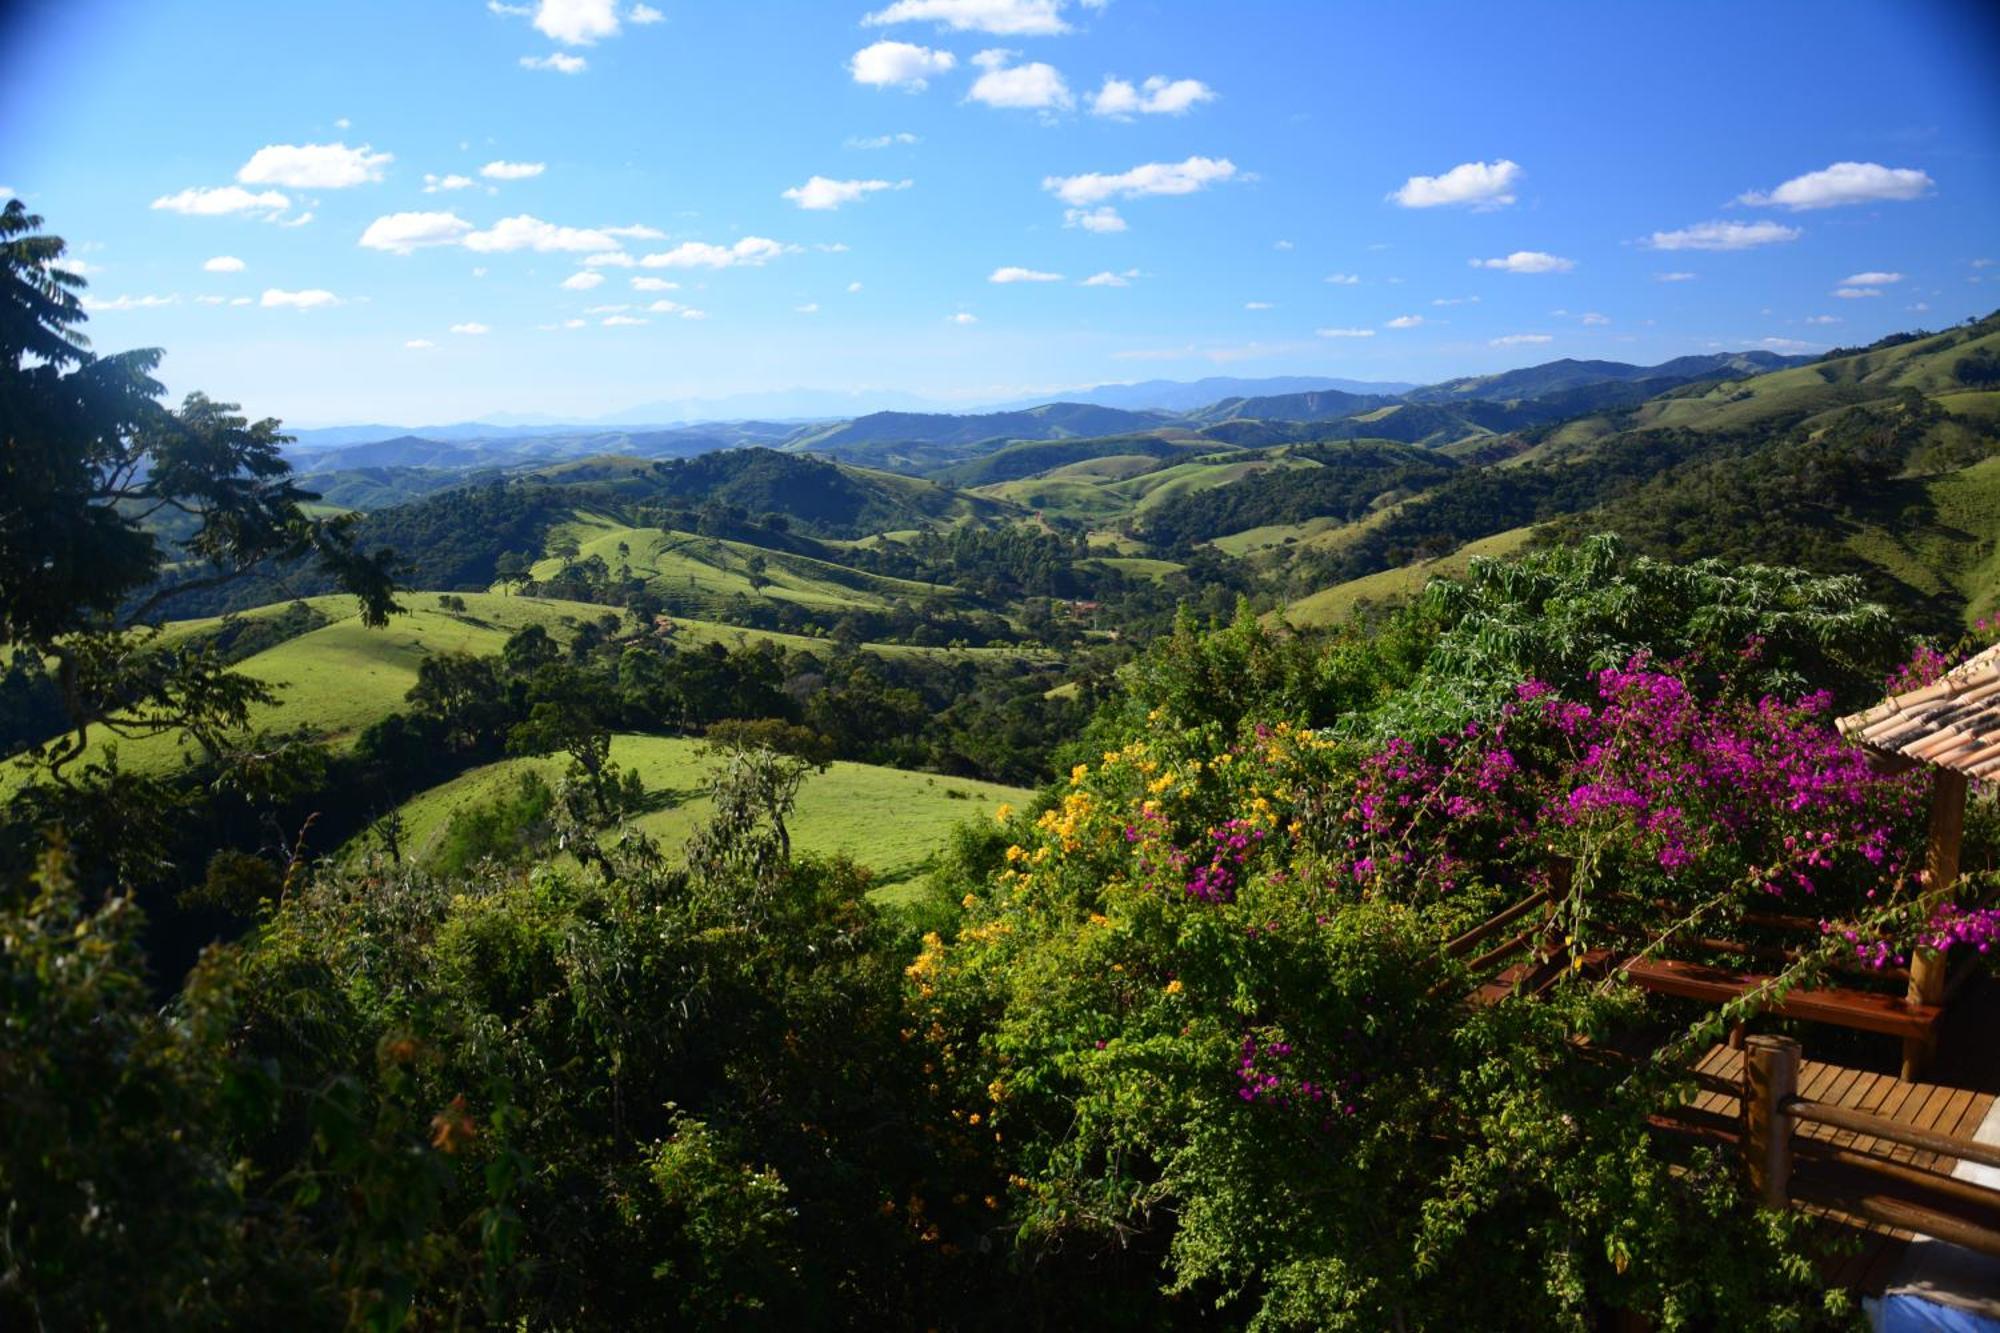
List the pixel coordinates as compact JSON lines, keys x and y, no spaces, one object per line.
{"x":1205,"y":996}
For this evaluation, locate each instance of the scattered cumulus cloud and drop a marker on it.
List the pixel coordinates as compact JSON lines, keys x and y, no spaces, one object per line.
{"x":642,"y":15}
{"x":419,"y":344}
{"x":584,"y":281}
{"x":1032,"y":87}
{"x":1258,"y":305}
{"x":1723,"y":236}
{"x":276,"y":298}
{"x":964,"y":317}
{"x":1015,"y":273}
{"x":95,"y":305}
{"x":512,"y":171}
{"x":1003,"y":18}
{"x":899,"y":65}
{"x":1405,"y":322}
{"x":1673,"y":277}
{"x":1856,"y":293}
{"x":1519,"y":339}
{"x":325,"y":166}
{"x":527,"y":232}
{"x":823,"y":194}
{"x":621,"y":321}
{"x":1346,"y":333}
{"x":1477,"y":185}
{"x":471,"y":328}
{"x":1591,"y":317}
{"x":577,"y":22}
{"x":1110,"y":279}
{"x":1151,"y":178}
{"x":1344,"y":279}
{"x":1102,"y":219}
{"x":809,"y":308}
{"x":1871,"y":279}
{"x":221,"y":200}
{"x":557,"y":61}
{"x":901,"y":138}
{"x":751,"y":251}
{"x":609,"y":259}
{"x":1823,"y":319}
{"x":1527,"y":261}
{"x":1844,"y":183}
{"x":1157,"y":96}
{"x":1455,"y":300}
{"x":645,"y":284}
{"x":219,"y":264}
{"x":434,"y":184}
{"x":1788,"y":344}
{"x":853,"y":287}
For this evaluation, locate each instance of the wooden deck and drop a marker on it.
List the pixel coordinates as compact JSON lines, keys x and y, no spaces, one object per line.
{"x":1939,"y":1108}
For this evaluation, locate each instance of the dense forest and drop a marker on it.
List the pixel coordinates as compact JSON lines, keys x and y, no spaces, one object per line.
{"x":350,"y":979}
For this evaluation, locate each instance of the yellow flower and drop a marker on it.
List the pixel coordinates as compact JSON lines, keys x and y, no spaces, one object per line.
{"x":1174,"y":986}
{"x":1003,"y":814}
{"x":1079,"y":773}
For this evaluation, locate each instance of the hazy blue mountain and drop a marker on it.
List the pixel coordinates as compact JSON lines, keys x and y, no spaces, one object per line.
{"x":1051,"y":421}
{"x":1554,"y":377}
{"x":1187,"y":395}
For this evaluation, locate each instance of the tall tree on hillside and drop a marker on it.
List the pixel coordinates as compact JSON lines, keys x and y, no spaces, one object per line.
{"x":105,"y":493}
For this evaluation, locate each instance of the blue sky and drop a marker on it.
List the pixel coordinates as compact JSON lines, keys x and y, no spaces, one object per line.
{"x":1259,"y":188}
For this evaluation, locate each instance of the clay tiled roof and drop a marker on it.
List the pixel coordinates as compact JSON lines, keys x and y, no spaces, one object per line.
{"x":1953,"y":724}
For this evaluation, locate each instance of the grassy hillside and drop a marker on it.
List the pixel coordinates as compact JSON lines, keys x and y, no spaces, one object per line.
{"x":889,"y":820}
{"x":1330,"y":605}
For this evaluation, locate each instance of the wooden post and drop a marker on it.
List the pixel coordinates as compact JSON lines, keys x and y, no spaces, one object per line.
{"x":1927,"y":966}
{"x":1770,"y":1080}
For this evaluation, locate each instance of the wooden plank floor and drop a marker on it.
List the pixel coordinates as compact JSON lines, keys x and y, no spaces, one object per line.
{"x":1937,"y":1107}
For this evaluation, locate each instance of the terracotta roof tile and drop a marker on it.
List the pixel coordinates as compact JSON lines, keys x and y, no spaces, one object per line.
{"x":1953,"y":723}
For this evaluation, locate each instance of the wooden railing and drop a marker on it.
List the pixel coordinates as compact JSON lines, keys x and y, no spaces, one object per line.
{"x":1784,"y":1168}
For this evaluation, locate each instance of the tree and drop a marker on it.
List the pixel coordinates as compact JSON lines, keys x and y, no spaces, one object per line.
{"x":105,"y":487}
{"x":512,"y":569}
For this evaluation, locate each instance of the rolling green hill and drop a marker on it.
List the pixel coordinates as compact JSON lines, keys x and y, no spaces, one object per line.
{"x":892,"y":821}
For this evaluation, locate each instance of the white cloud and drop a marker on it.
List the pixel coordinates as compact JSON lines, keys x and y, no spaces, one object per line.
{"x":903,"y":137}
{"x":1157,"y":96}
{"x":1823,"y":319}
{"x":1151,"y":178}
{"x":1723,"y":236}
{"x":1527,"y":261}
{"x":582,"y":282}
{"x":830,"y":247}
{"x":419,"y":344}
{"x":1344,"y":279}
{"x":526,"y":232}
{"x":853,"y":287}
{"x":323,"y":166}
{"x":202,"y":300}
{"x":643,"y":15}
{"x":1455,"y":300}
{"x":694,"y":314}
{"x":433,"y":184}
{"x":899,"y":65}
{"x":610,"y":309}
{"x":1015,"y":273}
{"x":822,"y":194}
{"x":1844,"y":183}
{"x":511,"y":11}
{"x":557,"y":61}
{"x":963,"y":317}
{"x":403,"y":233}
{"x":1871,"y":280}
{"x":1258,"y":305}
{"x":1518,"y":339}
{"x":1591,"y":317}
{"x":1788,"y":344}
{"x":1282,"y":245}
{"x":1976,"y":263}
{"x":1345,"y":333}
{"x":1921,"y":306}
{"x":608,"y":259}
{"x":219,"y":264}
{"x":201,"y":202}
{"x":659,"y":307}
{"x":809,"y":308}
{"x":1102,"y":219}
{"x":641,"y":284}
{"x":1031,"y":87}
{"x":299,"y":221}
{"x":1673,"y":277}
{"x":343,"y":124}
{"x":1110,"y":279}
{"x":1479,"y":185}
{"x":750,"y":251}
{"x":241,"y":300}
{"x":470,"y":327}
{"x":91,"y":303}
{"x":620,"y":321}
{"x":577,"y":22}
{"x":1006,"y":18}
{"x":1856,"y":293}
{"x":1405,"y":322}
{"x":512,"y":171}
{"x":275,"y":298}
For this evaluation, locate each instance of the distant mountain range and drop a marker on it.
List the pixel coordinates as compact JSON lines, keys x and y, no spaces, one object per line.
{"x":1219,"y":408}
